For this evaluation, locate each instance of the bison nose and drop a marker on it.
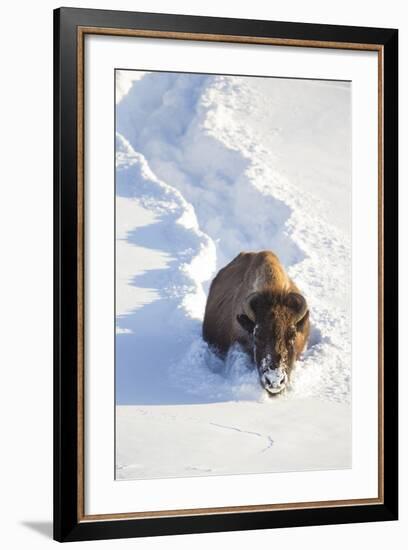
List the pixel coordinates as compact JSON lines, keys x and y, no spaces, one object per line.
{"x":278,"y":381}
{"x":274,"y":380}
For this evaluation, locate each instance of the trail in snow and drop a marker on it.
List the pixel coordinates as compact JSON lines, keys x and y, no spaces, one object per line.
{"x":212,"y":166}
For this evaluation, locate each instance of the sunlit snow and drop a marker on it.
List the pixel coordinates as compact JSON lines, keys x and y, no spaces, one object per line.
{"x":209,"y":166}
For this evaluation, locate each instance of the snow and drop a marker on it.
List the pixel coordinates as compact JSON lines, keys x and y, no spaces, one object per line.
{"x":209,"y":166}
{"x":124,"y":81}
{"x":222,"y":440}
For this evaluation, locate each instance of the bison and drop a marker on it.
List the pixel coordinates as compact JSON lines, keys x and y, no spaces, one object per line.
{"x":252,"y":301}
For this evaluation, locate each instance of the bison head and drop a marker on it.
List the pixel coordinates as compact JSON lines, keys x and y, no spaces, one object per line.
{"x":273,"y":323}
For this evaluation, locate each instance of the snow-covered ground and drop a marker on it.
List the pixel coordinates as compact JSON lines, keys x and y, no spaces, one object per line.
{"x":209,"y":166}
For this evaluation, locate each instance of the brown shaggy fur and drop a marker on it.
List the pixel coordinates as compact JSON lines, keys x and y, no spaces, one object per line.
{"x":279,"y":332}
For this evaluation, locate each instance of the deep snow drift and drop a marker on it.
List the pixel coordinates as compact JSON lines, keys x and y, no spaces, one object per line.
{"x":209,"y":166}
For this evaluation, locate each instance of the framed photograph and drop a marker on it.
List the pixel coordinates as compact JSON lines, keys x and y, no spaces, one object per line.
{"x":225,"y":274}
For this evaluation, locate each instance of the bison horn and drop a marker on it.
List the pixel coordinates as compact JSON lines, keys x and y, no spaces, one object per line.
{"x":249,"y":312}
{"x":298,"y":304}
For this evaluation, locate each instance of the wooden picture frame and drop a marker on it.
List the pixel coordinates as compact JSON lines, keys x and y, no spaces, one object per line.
{"x":70,"y":520}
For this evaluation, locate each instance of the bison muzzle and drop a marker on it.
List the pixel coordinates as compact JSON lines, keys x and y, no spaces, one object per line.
{"x":252,"y":301}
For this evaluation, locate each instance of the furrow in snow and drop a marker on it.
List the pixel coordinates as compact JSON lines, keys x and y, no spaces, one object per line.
{"x":216,"y":141}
